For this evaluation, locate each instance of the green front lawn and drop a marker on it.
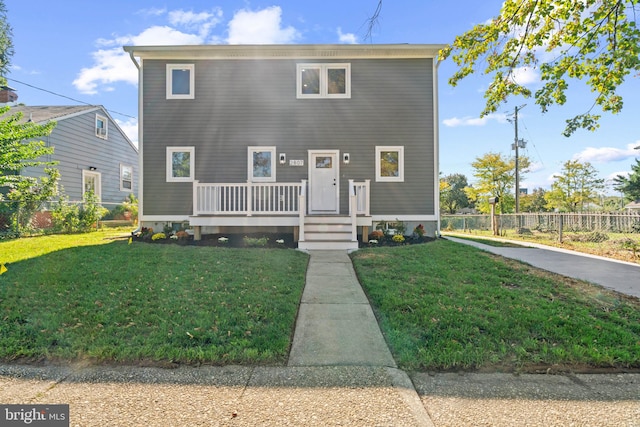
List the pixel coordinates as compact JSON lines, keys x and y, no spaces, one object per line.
{"x":441,"y":306}
{"x":93,"y":297}
{"x":446,"y":305}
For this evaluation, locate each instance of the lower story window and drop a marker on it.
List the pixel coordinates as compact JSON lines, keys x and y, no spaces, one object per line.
{"x":180,"y":164}
{"x":126,"y":178}
{"x":261,"y":164}
{"x":390,"y":163}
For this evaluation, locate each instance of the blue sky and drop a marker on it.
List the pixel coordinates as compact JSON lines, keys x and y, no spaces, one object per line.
{"x":74,"y":48}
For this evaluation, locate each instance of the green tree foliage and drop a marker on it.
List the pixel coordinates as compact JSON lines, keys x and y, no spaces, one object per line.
{"x":576,"y":187}
{"x":534,"y":202}
{"x":566,"y":40}
{"x":6,"y":43}
{"x":496,"y":177}
{"x":630,"y":186}
{"x":452,"y":194}
{"x":18,"y":150}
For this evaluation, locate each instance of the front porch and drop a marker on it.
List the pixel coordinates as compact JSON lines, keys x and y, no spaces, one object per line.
{"x":253,"y":204}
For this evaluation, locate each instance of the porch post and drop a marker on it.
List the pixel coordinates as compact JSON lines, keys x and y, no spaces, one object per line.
{"x":249,"y":197}
{"x":302,"y":209}
{"x":195,"y":198}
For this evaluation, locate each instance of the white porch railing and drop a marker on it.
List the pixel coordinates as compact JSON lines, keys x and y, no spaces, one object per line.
{"x":246,"y":198}
{"x":268,"y":199}
{"x":361,"y":190}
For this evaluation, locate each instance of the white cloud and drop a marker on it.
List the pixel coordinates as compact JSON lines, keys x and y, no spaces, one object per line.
{"x":111,"y":64}
{"x":115,"y":65}
{"x":347,"y":38}
{"x":536,"y":167}
{"x":130,"y":128}
{"x":525,"y":76}
{"x":614,"y":175}
{"x":607,"y":154}
{"x":474,"y":121}
{"x":260,"y":27}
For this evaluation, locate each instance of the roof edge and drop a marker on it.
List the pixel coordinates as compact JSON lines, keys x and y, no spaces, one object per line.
{"x":320,"y":51}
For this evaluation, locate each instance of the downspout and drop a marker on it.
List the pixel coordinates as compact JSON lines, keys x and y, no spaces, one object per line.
{"x":436,"y":145}
{"x":133,"y":59}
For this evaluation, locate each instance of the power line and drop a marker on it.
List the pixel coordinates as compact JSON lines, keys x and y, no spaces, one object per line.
{"x":67,"y":97}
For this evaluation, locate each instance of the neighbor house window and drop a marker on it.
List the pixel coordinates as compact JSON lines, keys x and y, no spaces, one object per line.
{"x":262,"y":164}
{"x":126,"y":178}
{"x":91,"y":183}
{"x":390,"y":163}
{"x":101,"y":126}
{"x":180,"y":164}
{"x":180,"y":81}
{"x":324,"y":80}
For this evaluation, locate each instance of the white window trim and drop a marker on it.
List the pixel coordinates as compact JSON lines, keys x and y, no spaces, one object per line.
{"x":122,"y":187}
{"x":105,"y":133}
{"x":400,"y":150}
{"x":98,"y":176}
{"x":250,"y":177}
{"x":191,"y":68}
{"x":192,"y":162}
{"x":324,"y":78}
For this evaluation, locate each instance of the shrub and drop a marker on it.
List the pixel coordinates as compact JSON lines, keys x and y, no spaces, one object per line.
{"x":182,"y":235}
{"x":254,"y":242}
{"x":158,"y":236}
{"x":398,"y":238}
{"x":376,"y":235}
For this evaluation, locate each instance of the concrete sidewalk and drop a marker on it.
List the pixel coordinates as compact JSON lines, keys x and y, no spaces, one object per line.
{"x":340,"y":372}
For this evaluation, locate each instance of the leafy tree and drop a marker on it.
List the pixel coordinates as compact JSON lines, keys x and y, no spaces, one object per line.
{"x":496,"y":177}
{"x":630,"y":186}
{"x":593,"y":41}
{"x":452,"y":194}
{"x":6,"y":43}
{"x":19,"y":150}
{"x":534,"y":202}
{"x":575,"y":187}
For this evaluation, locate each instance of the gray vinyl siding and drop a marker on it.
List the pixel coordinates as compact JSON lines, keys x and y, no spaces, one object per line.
{"x":76,"y":148}
{"x":241,"y":103}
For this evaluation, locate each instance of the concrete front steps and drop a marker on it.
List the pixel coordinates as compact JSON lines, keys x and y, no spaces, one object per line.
{"x":327,"y":233}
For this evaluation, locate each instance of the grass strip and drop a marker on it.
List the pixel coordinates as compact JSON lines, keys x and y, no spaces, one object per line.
{"x":446,"y":306}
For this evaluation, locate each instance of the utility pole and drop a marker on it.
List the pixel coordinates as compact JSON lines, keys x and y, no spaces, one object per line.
{"x":517,"y":144}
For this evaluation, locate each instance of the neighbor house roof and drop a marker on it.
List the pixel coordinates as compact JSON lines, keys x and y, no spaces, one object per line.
{"x":633,"y":205}
{"x":43,"y":114}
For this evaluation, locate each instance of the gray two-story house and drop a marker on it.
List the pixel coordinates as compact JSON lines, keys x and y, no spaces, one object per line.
{"x":324,"y":140}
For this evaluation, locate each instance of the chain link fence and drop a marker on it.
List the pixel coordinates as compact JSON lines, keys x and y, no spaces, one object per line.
{"x":615,"y":235}
{"x":547,"y":222}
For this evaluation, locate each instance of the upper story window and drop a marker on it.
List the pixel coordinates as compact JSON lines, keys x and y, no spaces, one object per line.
{"x":180,"y":164}
{"x":390,"y":164}
{"x":102,"y":126}
{"x":180,"y":81}
{"x":324,"y":81}
{"x":126,"y":178}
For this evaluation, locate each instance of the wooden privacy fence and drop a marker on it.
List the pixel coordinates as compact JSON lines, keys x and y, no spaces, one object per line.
{"x":548,"y":222}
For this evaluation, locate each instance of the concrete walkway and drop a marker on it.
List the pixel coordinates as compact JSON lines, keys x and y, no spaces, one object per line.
{"x":340,"y":373}
{"x":335,"y":324}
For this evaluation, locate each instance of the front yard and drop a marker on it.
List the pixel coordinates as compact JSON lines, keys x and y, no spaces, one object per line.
{"x":440,"y":305}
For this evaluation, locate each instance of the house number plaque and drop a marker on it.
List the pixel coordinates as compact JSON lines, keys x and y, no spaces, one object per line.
{"x":296,"y":162}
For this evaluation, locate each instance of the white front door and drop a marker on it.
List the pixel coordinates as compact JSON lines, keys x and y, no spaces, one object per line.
{"x":324,"y":185}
